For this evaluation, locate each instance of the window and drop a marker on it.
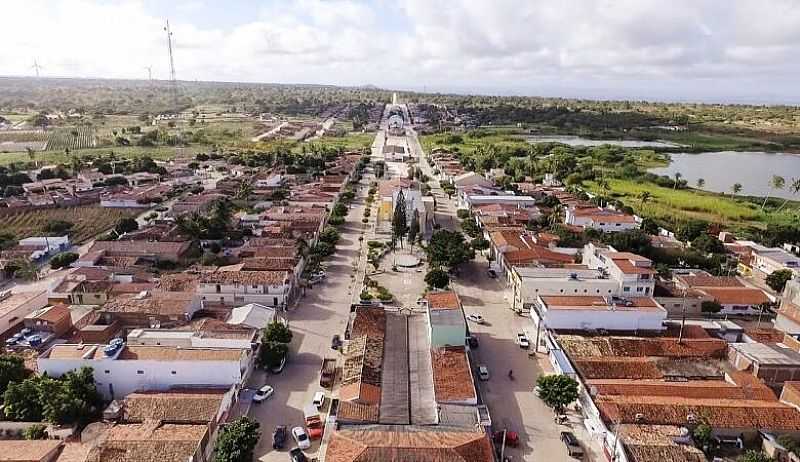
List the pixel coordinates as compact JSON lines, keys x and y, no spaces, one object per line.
{"x":275,"y":301}
{"x":626,"y":289}
{"x":107,"y":371}
{"x":140,"y":372}
{"x":174,"y":372}
{"x":647,"y":290}
{"x":639,"y":289}
{"x":219,"y":289}
{"x":255,"y":287}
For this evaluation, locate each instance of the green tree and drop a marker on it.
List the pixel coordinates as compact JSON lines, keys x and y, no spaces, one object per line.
{"x":708,"y":244}
{"x":794,"y":188}
{"x":700,"y":183}
{"x":272,"y":353}
{"x":237,"y":440}
{"x":126,"y":225}
{"x":399,"y":219}
{"x":63,"y":260}
{"x":437,"y":278}
{"x":777,"y":279}
{"x":12,"y":369}
{"x":448,"y":248}
{"x":736,"y":189}
{"x":644,"y":197}
{"x":21,"y":400}
{"x":24,"y":269}
{"x":777,"y":182}
{"x":557,"y":391}
{"x":754,"y":456}
{"x":710,"y":306}
{"x":480,"y":244}
{"x":703,"y":434}
{"x":245,"y":191}
{"x":678,"y":176}
{"x":413,"y":229}
{"x":329,"y":235}
{"x":35,"y":432}
{"x":277,"y":331}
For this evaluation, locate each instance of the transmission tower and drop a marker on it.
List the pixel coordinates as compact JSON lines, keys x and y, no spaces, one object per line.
{"x":173,"y":82}
{"x":36,"y":67}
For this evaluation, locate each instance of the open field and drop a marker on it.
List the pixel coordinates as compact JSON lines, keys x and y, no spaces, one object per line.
{"x":505,"y":137}
{"x":88,"y":220}
{"x":666,"y":203}
{"x":122,"y":152}
{"x":351,"y":141}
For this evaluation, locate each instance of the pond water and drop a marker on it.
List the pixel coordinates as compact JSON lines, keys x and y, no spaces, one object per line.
{"x":580,"y":141}
{"x":720,"y":170}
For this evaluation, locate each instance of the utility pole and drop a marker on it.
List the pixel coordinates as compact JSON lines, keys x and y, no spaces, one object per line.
{"x":149,"y":72}
{"x":683,"y":318}
{"x":173,"y":82}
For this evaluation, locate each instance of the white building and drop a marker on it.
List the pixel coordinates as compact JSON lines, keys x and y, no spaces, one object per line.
{"x":775,"y":259}
{"x":124,"y":369}
{"x":634,"y":273}
{"x":592,"y":312}
{"x":14,"y":307}
{"x":528,"y":283}
{"x":269,"y":288}
{"x":51,"y":244}
{"x":252,"y":315}
{"x":523,"y":202}
{"x":605,"y":220}
{"x":468,"y":179}
{"x":244,"y":340}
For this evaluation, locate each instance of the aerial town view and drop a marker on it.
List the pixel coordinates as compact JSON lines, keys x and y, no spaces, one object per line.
{"x":356,"y":231}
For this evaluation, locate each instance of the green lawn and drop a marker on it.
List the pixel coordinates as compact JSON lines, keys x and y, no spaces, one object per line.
{"x":498,"y":137}
{"x":669,"y":204}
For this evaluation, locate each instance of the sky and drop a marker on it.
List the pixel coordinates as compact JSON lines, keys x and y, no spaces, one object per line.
{"x":682,"y":50}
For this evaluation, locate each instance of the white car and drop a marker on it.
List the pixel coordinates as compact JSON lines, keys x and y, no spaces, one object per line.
{"x":483,"y":372}
{"x":476,"y":318}
{"x":319,"y":399}
{"x":523,"y":341}
{"x":301,"y":437}
{"x":263,"y":394}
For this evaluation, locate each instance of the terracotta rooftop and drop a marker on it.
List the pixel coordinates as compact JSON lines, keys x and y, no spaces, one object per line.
{"x":369,"y":321}
{"x":736,"y":295}
{"x":273,"y":278}
{"x":583,"y":302}
{"x":443,"y":300}
{"x":149,"y":442}
{"x":688,"y":389}
{"x":175,"y":406}
{"x":709,"y":281}
{"x":610,"y":346}
{"x":408,"y":444}
{"x":356,"y":412}
{"x":141,"y":248}
{"x":172,"y":304}
{"x":452,"y":376}
{"x":719,"y":413}
{"x":27,"y":450}
{"x":647,"y":443}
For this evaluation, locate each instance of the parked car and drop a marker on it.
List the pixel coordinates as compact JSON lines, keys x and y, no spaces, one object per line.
{"x":573,"y":446}
{"x":336,"y":342}
{"x":522,"y":340}
{"x":476,"y":318}
{"x":279,"y":437}
{"x":492,"y":273}
{"x":483,"y":372}
{"x":319,"y":399}
{"x":263,"y":394}
{"x":301,"y":437}
{"x":472,"y":341}
{"x":296,"y":455}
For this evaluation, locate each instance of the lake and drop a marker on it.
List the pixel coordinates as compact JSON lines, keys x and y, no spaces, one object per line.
{"x":581,"y":141}
{"x":721,"y":170}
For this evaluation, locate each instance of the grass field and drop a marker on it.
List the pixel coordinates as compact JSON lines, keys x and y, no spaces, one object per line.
{"x":350,"y":142}
{"x":669,"y":204}
{"x":122,"y":152}
{"x":498,"y":137}
{"x":89,"y":221}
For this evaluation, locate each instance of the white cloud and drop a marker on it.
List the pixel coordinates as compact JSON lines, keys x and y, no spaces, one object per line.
{"x":705,"y":45}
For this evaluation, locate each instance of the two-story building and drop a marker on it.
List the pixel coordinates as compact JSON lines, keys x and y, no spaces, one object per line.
{"x":635,"y":274}
{"x":236,"y":288}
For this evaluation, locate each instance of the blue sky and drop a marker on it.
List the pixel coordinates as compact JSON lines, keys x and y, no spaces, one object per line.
{"x":703,"y":50}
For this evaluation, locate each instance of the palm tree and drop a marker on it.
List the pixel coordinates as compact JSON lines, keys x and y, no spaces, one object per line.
{"x":736,"y":189}
{"x":700,"y":183}
{"x":794,"y":188}
{"x":25,"y":269}
{"x":678,"y":176}
{"x":644,"y":197}
{"x":776,"y":182}
{"x":32,"y":155}
{"x":244,"y":192}
{"x":555,"y":215}
{"x":76,"y":165}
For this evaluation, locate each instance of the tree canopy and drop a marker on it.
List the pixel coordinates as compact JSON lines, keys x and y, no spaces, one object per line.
{"x":448,"y":248}
{"x":237,"y":441}
{"x":437,"y":278}
{"x":557,"y":391}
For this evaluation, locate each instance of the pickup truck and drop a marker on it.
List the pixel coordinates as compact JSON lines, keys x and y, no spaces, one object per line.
{"x":327,"y":372}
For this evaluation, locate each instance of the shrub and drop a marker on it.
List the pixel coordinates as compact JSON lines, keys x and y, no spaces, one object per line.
{"x":710,"y":306}
{"x":35,"y":432}
{"x":365,"y":295}
{"x":462,"y":213}
{"x":63,"y":260}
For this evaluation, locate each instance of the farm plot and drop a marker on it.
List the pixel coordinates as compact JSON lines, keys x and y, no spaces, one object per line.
{"x":88,"y":221}
{"x":21,"y":140}
{"x":73,"y":138}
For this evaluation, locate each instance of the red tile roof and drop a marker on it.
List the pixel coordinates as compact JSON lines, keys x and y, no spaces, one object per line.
{"x":736,"y":295}
{"x":718,"y":412}
{"x":409,"y":444}
{"x":443,"y":300}
{"x":452,"y":376}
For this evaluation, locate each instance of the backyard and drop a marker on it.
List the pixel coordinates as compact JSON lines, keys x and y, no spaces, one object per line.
{"x":88,"y":221}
